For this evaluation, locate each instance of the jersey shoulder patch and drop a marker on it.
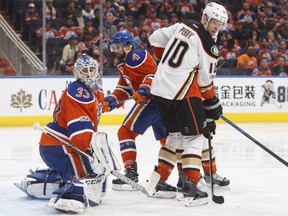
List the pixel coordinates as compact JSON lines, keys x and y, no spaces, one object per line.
{"x":78,"y":92}
{"x":136,"y":57}
{"x":207,"y":41}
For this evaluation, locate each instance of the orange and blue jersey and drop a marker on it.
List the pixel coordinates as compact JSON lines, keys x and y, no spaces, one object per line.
{"x":75,"y":118}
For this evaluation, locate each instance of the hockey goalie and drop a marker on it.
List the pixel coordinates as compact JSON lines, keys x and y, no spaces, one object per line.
{"x":78,"y":157}
{"x":74,"y":194}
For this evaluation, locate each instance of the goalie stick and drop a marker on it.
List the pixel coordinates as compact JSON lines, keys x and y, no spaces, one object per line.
{"x":254,"y":140}
{"x":216,"y":199}
{"x":125,"y":179}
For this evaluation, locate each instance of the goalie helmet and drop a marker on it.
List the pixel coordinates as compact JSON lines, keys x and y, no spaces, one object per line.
{"x":122,"y":37}
{"x":217,"y":12}
{"x":86,"y":71}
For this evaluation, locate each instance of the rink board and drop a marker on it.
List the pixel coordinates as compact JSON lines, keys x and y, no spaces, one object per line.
{"x":32,"y":99}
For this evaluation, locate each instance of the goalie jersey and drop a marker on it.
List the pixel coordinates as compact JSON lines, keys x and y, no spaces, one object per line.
{"x":187,"y":66}
{"x":75,"y":117}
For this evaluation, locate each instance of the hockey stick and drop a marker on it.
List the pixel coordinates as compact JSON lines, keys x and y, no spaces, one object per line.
{"x":125,"y":179}
{"x":254,"y":140}
{"x":216,"y":199}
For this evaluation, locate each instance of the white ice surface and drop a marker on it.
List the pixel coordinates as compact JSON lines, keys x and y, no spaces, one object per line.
{"x":259,"y":182}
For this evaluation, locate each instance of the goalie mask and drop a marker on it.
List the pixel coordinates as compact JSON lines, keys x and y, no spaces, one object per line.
{"x":86,"y":71}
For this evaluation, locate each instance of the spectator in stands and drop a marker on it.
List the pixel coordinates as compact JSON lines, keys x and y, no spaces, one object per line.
{"x":130,"y":26}
{"x":86,"y":44}
{"x":165,"y":22}
{"x":247,"y":60}
{"x":31,"y":13}
{"x":141,"y":41}
{"x":97,"y":17}
{"x":229,"y":54}
{"x":68,"y":29}
{"x":141,"y":25}
{"x":69,"y":52}
{"x":70,"y":10}
{"x":50,"y":33}
{"x":264,"y":50}
{"x":94,"y":52}
{"x":161,"y":11}
{"x":240,"y":34}
{"x":186,"y":6}
{"x":108,"y":8}
{"x":121,"y":18}
{"x":51,"y":11}
{"x":246,"y":15}
{"x":173,"y":19}
{"x":88,"y":11}
{"x":134,"y":8}
{"x":170,"y":6}
{"x":272,"y":41}
{"x":89,"y":29}
{"x":283,"y":30}
{"x":105,"y":44}
{"x":177,"y":11}
{"x":281,"y":69}
{"x":274,"y":58}
{"x":262,"y":69}
{"x":283,"y":50}
{"x":80,"y":34}
{"x":78,"y":18}
{"x":250,"y":42}
{"x":108,"y":24}
{"x":267,"y":16}
{"x":30,"y":24}
{"x":153,"y":22}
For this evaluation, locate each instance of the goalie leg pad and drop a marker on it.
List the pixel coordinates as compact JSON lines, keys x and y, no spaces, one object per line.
{"x":94,"y":190}
{"x":41,"y":183}
{"x":102,"y":152}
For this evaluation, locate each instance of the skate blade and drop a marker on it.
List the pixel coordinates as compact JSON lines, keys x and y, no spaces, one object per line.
{"x":190,"y":201}
{"x":164,"y":194}
{"x":179,"y":196}
{"x":217,"y":187}
{"x":123,"y":187}
{"x":19,"y":186}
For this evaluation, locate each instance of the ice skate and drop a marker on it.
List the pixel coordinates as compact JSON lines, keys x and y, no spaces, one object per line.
{"x":179,"y":192}
{"x":219,"y":181}
{"x":131,"y":173}
{"x":193,"y":196}
{"x":164,"y":190}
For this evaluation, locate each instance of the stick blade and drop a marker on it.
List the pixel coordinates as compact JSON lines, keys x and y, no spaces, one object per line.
{"x":218,"y":199}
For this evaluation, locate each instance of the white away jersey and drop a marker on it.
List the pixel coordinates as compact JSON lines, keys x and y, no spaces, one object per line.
{"x":187,"y":67}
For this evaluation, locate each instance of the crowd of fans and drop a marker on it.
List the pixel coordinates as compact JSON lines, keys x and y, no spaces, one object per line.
{"x":253,"y":43}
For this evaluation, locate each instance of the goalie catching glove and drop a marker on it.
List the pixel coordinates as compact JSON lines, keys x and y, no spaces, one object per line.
{"x":143,"y":94}
{"x":213,"y":109}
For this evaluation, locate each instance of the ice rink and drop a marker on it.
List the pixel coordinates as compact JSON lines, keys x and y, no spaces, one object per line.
{"x":259,"y":182}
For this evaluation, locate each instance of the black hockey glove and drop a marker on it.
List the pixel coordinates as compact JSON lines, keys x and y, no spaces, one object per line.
{"x":209,"y":128}
{"x":213,"y":108}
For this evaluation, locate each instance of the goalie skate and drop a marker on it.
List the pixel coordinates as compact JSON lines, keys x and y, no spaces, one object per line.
{"x":40,"y":184}
{"x":68,"y":206}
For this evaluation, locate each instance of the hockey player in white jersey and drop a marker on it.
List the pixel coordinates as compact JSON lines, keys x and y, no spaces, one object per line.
{"x":184,"y":89}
